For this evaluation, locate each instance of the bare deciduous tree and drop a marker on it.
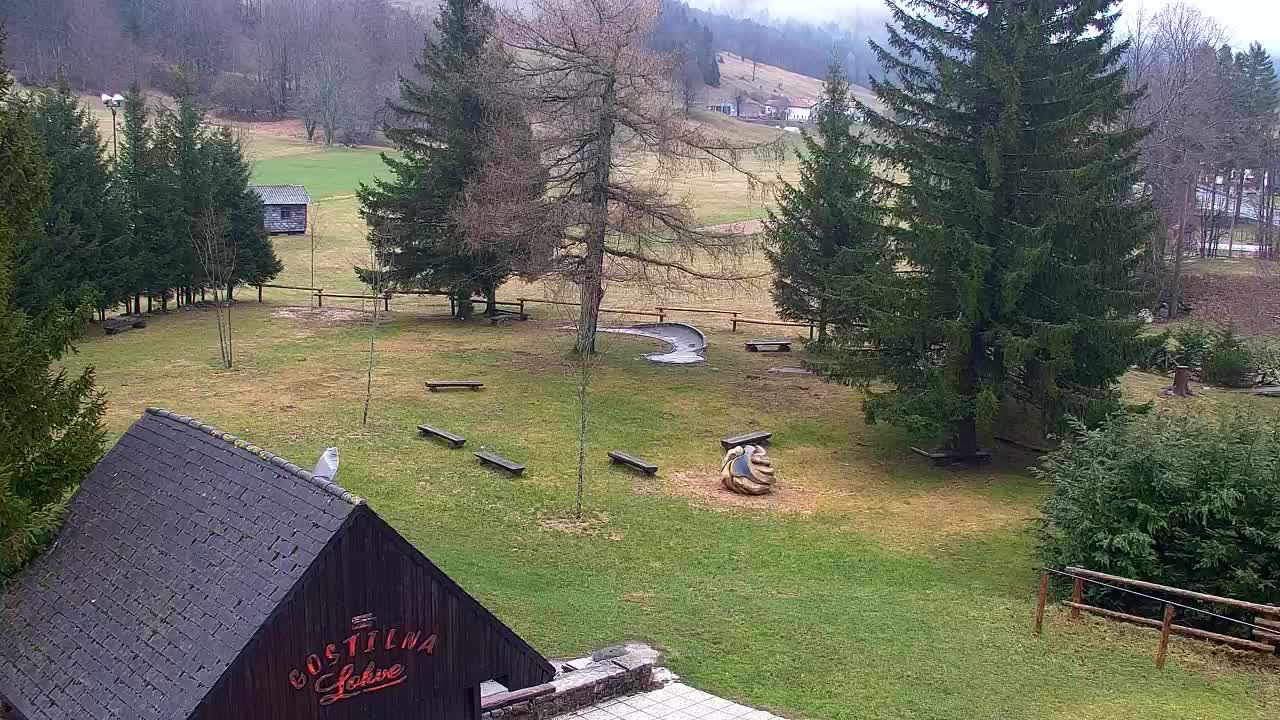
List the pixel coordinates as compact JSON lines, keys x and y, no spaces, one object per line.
{"x":610,"y":139}
{"x":1172,"y":55}
{"x":217,"y":255}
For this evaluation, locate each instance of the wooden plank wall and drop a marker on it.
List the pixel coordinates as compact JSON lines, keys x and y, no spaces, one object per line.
{"x":366,"y":570}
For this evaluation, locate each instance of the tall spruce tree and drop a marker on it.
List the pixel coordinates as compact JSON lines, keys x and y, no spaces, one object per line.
{"x":189,"y":178}
{"x":827,"y":240}
{"x":50,"y":423}
{"x":240,"y":210}
{"x":438,"y":124}
{"x":1015,"y":208}
{"x":77,"y":255}
{"x":144,"y":195}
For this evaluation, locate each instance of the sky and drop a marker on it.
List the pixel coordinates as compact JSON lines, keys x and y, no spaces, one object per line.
{"x":1245,"y":20}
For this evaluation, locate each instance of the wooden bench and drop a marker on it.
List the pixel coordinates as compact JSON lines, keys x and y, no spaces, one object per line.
{"x":777,"y":345}
{"x":752,"y":438}
{"x":455,"y":441}
{"x":619,"y":457}
{"x":434,"y":385}
{"x":497,"y":460}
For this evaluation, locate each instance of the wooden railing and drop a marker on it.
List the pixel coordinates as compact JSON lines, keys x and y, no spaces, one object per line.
{"x":662,"y":311}
{"x":615,"y":311}
{"x":779,"y":323}
{"x":1265,"y":628}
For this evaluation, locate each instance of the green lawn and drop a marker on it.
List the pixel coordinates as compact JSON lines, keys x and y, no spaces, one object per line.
{"x":326,"y":173}
{"x":871,"y":586}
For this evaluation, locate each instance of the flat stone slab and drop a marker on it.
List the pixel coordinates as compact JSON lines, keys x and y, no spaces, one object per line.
{"x":688,"y":344}
{"x":674,"y":701}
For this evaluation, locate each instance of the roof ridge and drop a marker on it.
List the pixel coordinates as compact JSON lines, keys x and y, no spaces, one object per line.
{"x":320,"y":481}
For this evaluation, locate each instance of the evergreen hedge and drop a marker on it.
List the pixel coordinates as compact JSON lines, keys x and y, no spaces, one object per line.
{"x":1172,"y":497}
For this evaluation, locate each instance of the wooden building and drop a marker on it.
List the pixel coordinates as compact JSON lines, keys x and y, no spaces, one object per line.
{"x":284,"y":208}
{"x":198,"y":576}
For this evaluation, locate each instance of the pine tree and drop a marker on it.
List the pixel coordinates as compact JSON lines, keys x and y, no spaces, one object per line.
{"x":143,"y":195}
{"x":1015,"y":211}
{"x":75,"y":255}
{"x":438,"y":125}
{"x":240,"y":209}
{"x":50,"y":423}
{"x":827,"y":237}
{"x":190,"y":183}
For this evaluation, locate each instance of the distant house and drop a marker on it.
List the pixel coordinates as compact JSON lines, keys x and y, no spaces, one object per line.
{"x":284,"y":208}
{"x":799,"y":113}
{"x":726,"y":108}
{"x":200,"y":577}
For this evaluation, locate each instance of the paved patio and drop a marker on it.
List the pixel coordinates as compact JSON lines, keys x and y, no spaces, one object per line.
{"x":673,"y":701}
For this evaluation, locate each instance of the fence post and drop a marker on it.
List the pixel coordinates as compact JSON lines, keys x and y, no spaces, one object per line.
{"x":386,"y":301}
{"x":661,"y":316}
{"x":734,"y":322}
{"x":1040,"y":600}
{"x":810,"y":332}
{"x":319,"y":297}
{"x":259,"y":293}
{"x":1077,"y":596}
{"x":1164,"y":635}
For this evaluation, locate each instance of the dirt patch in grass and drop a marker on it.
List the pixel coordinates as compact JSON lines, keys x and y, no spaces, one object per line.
{"x":592,"y":523}
{"x":864,"y":493}
{"x":1251,"y":302}
{"x":705,"y":488}
{"x":320,"y":316}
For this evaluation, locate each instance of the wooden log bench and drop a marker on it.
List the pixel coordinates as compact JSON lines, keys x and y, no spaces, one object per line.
{"x":775,"y":345}
{"x":434,"y":385}
{"x":757,"y":437}
{"x":455,"y":441}
{"x":496,"y":460}
{"x":621,"y":458}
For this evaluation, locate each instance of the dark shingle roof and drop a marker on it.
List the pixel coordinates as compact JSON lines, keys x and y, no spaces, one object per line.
{"x":177,"y":547}
{"x":282,"y":194}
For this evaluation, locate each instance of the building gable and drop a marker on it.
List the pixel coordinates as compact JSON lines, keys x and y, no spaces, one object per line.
{"x":198,"y":575}
{"x":374,"y":629}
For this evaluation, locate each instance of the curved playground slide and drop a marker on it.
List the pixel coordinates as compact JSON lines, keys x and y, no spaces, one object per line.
{"x":688,"y":344}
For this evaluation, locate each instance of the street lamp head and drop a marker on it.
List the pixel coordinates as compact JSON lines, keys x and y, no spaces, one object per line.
{"x":106,"y":99}
{"x":118,"y":98}
{"x":112,"y":101}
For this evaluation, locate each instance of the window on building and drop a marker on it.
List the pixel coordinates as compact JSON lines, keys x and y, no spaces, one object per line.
{"x":286,"y":213}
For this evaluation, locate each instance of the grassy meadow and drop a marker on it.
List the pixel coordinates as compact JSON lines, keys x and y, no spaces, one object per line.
{"x":871,"y":585}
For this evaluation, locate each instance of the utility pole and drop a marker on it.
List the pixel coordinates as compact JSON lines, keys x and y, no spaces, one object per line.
{"x":113,"y":102}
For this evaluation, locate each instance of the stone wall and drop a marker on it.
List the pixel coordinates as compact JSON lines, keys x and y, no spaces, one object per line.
{"x":612,"y":672}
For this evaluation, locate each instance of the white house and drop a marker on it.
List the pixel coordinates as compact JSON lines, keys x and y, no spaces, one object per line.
{"x":799,"y":113}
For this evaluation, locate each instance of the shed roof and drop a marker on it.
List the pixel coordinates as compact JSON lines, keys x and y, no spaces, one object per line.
{"x":177,"y":547}
{"x":282,"y":194}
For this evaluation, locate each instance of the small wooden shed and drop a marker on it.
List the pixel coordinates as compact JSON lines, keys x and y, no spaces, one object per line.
{"x":200,"y":577}
{"x":284,"y":208}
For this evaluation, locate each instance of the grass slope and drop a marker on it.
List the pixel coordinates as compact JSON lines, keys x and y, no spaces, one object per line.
{"x":871,"y":586}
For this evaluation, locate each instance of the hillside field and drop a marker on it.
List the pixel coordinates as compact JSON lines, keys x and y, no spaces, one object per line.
{"x":872,"y":585}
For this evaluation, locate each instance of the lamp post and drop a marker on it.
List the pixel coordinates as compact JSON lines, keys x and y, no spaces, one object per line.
{"x":113,"y":102}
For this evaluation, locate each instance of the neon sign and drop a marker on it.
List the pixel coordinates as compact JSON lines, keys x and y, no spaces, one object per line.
{"x":332,"y":673}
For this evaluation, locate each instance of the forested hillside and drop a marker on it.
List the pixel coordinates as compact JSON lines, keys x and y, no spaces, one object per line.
{"x":333,"y":62}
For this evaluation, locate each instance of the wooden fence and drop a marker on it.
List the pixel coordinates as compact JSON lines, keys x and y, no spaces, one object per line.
{"x":1265,"y":627}
{"x":660,"y":312}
